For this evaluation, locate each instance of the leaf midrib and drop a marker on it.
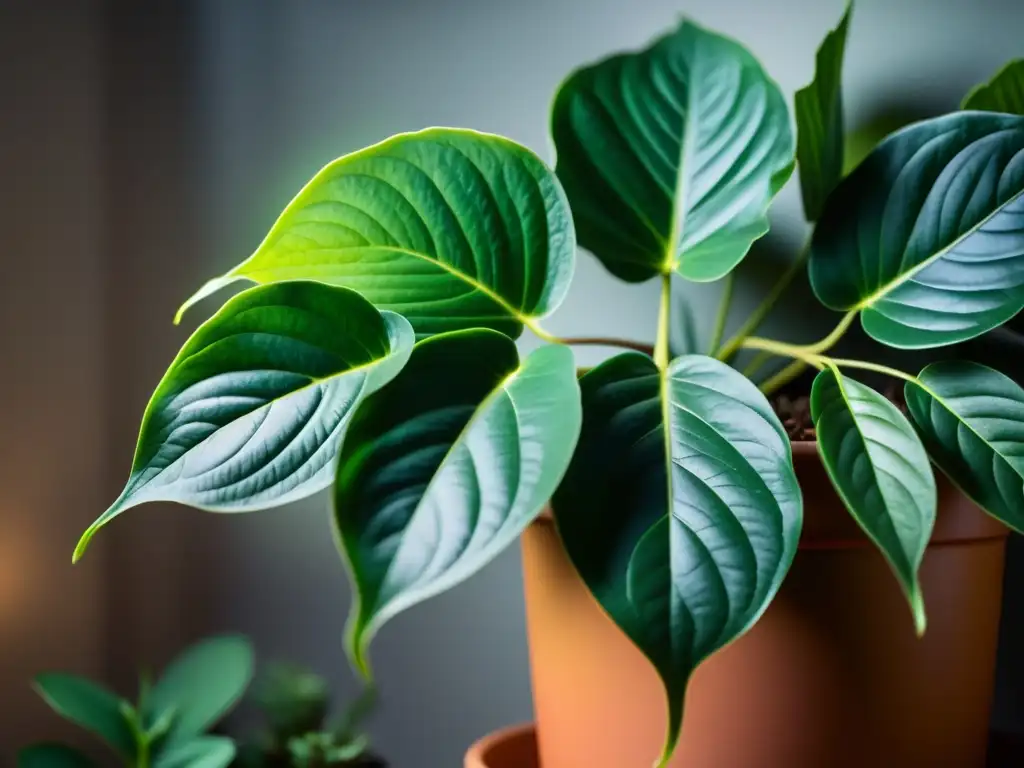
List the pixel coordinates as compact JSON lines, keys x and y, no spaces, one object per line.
{"x":679,"y":213}
{"x":518,"y":314}
{"x":882,"y":292}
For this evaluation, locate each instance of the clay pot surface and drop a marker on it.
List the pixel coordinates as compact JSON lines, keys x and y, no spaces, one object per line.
{"x":832,"y":675}
{"x":508,"y":748}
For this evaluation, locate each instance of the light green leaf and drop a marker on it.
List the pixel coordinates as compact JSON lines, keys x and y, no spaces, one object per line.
{"x":681,"y":510}
{"x":1003,"y":93}
{"x":443,"y":468}
{"x":819,"y":122}
{"x":90,"y":706}
{"x":52,"y":756}
{"x":201,"y":686}
{"x":451,"y":228}
{"x":671,"y":156}
{"x":926,"y":237}
{"x":880,"y":470}
{"x":204,"y":752}
{"x":253,"y":409}
{"x":971,"y":419}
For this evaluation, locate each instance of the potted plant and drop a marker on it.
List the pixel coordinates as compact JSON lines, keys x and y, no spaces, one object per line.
{"x":167,"y":727}
{"x":295,"y":703}
{"x":375,"y":355}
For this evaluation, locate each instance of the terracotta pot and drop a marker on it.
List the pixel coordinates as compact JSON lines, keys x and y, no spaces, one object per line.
{"x":833,"y":674}
{"x":508,"y":748}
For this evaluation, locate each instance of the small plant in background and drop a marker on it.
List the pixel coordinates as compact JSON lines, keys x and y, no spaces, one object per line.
{"x":167,"y":726}
{"x":295,"y":703}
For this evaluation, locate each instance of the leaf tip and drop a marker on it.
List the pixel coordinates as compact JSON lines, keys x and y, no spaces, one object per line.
{"x":920,"y":617}
{"x":83,"y":544}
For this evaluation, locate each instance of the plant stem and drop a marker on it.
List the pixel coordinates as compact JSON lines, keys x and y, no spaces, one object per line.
{"x":803,"y":354}
{"x":600,"y":341}
{"x":757,"y":317}
{"x":661,"y":342}
{"x":756,"y":362}
{"x":884,"y":369}
{"x":723,"y":313}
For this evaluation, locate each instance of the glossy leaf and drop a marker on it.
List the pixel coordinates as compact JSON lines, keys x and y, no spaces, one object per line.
{"x":451,"y":228}
{"x":443,"y":468}
{"x":90,"y":706}
{"x":681,"y":510}
{"x":204,"y":752}
{"x":201,"y":686}
{"x":971,"y":419}
{"x":671,"y":155}
{"x":926,"y":237}
{"x":819,"y":123}
{"x":880,"y":470}
{"x":52,"y":756}
{"x":1003,"y":93}
{"x":253,"y":409}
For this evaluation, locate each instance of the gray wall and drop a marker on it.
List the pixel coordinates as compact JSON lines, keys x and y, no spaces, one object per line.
{"x":291,"y":86}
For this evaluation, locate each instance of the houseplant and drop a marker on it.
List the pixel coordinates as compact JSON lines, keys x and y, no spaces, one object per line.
{"x":376,"y":353}
{"x":295,"y":704}
{"x":167,"y":726}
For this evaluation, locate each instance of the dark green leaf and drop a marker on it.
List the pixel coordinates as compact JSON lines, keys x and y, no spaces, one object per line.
{"x":94,"y":708}
{"x":971,"y":419}
{"x":881,"y":472}
{"x":204,"y":752}
{"x":443,"y":468}
{"x":451,"y":228}
{"x":819,"y":123}
{"x":926,"y":237}
{"x":671,"y":156}
{"x":680,"y":510}
{"x":1003,"y":93}
{"x":253,"y":409}
{"x":52,"y":756}
{"x":202,"y":685}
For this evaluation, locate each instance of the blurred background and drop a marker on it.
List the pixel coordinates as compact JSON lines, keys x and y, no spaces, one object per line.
{"x":145,"y":147}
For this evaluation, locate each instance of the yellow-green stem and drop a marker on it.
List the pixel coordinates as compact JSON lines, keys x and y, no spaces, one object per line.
{"x":876,"y":367}
{"x":756,"y":362}
{"x":753,"y":322}
{"x":723,"y":313}
{"x":600,"y":341}
{"x":661,"y":340}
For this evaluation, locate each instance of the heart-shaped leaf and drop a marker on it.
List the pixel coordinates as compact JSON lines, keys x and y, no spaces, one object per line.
{"x":819,"y":123}
{"x":253,"y":409}
{"x":52,"y":756}
{"x":201,"y":686}
{"x":670,"y":156}
{"x":443,"y":468}
{"x":926,"y":237}
{"x":204,"y":752}
{"x":880,"y":470}
{"x":90,"y":706}
{"x":451,"y":228}
{"x":680,"y":510}
{"x":971,"y":419}
{"x":1003,"y":93}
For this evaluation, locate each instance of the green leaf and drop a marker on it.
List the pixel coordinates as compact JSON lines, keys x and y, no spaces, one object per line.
{"x":671,"y":156}
{"x":926,"y":237}
{"x":971,"y":419}
{"x":451,"y":228}
{"x":443,"y":468}
{"x":880,"y":470}
{"x":819,"y":122}
{"x":201,"y":686}
{"x":90,"y":706}
{"x":681,"y":510}
{"x":253,"y":409}
{"x":52,"y":756}
{"x":204,"y":752}
{"x":1003,"y":93}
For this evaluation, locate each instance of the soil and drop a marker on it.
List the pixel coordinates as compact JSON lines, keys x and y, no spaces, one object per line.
{"x":794,"y":411}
